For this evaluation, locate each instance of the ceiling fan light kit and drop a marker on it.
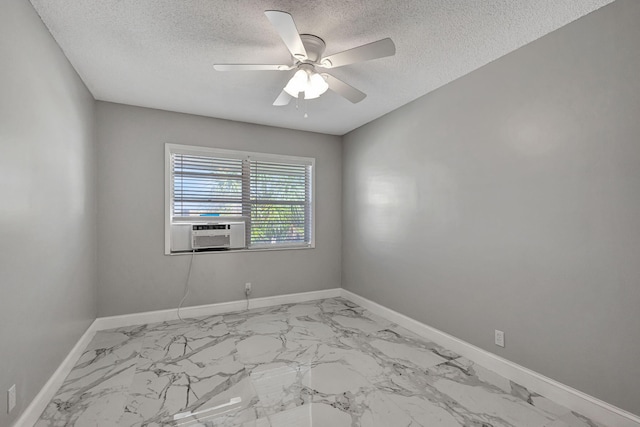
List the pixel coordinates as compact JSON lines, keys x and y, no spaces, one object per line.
{"x":307,"y":54}
{"x":306,"y":81}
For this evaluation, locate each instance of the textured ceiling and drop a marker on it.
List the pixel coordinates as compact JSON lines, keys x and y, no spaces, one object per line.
{"x":160,"y":53}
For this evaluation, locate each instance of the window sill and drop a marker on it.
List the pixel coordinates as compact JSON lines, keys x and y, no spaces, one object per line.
{"x":227,"y":251}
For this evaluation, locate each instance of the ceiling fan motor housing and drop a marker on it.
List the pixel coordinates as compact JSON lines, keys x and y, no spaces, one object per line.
{"x":314,"y":46}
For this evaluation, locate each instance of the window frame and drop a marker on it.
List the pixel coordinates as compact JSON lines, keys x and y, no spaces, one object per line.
{"x":171,"y":148}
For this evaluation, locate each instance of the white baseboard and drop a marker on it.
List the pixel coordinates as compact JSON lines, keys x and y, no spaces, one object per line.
{"x":562,"y":394}
{"x":31,"y":414}
{"x":210,"y":309}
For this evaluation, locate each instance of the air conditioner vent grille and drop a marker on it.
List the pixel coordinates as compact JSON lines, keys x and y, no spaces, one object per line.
{"x":211,"y":241}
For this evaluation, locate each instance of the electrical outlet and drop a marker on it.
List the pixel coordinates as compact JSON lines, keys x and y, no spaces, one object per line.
{"x":499,"y":338}
{"x":247,"y":289}
{"x":11,"y":398}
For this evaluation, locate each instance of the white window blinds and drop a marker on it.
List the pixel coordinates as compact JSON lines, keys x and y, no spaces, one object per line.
{"x":206,"y":186}
{"x":280,"y":200}
{"x":272,"y":193}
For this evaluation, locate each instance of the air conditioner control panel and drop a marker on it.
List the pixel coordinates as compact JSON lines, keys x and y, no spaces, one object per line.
{"x":211,"y":227}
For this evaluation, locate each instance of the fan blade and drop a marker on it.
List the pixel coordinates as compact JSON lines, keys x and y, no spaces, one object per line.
{"x":367,"y":52}
{"x":346,"y":91}
{"x":288,"y":32}
{"x":251,"y":67}
{"x":283,"y":99}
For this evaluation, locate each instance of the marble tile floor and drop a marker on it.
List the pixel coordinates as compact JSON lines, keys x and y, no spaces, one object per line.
{"x":326,"y":363}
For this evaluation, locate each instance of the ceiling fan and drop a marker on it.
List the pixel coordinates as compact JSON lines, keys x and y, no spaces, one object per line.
{"x":306,"y":51}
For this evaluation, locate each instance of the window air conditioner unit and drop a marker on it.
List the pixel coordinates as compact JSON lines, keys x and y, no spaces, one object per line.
{"x":222,"y":235}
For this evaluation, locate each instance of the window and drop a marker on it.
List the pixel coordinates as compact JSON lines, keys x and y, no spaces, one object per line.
{"x":272,"y":194}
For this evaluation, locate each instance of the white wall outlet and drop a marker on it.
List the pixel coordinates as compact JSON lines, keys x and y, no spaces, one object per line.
{"x":247,"y":289}
{"x":11,"y":398}
{"x":499,"y":338}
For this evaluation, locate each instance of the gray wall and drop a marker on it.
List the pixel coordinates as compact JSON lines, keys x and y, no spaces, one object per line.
{"x":48,"y":208}
{"x":135,"y":275}
{"x":510,"y":199}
